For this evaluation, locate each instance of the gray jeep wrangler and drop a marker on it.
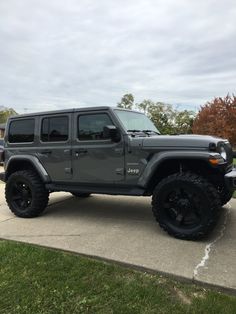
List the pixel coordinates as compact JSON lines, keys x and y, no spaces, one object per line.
{"x":114,"y":151}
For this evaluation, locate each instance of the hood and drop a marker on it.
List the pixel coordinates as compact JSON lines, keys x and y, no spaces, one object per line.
{"x":179,"y":141}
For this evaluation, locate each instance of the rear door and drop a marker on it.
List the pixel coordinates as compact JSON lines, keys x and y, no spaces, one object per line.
{"x":54,"y":149}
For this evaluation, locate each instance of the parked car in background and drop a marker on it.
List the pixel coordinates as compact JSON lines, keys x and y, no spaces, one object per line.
{"x":1,"y":150}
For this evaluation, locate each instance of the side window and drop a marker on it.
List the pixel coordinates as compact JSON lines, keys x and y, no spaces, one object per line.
{"x":21,"y":131}
{"x":54,"y":129}
{"x":90,"y":126}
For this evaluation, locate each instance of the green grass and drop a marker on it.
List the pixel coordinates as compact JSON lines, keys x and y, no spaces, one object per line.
{"x":37,"y":280}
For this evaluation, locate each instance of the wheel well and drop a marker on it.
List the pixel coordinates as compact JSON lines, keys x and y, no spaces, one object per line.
{"x":171,"y":166}
{"x":18,"y":165}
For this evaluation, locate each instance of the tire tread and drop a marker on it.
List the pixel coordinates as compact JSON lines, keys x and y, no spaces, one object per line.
{"x":40,"y":200}
{"x":215,"y":205}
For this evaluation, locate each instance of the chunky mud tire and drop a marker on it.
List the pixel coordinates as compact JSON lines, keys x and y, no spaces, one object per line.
{"x":186,"y":206}
{"x":226,"y":195}
{"x":25,"y":194}
{"x":81,"y":194}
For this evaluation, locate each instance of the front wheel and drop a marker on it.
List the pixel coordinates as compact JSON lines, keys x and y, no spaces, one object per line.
{"x":225,"y":195}
{"x":186,"y":205}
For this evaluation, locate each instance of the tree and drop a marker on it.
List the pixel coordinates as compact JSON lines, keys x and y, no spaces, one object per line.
{"x":167,"y":119}
{"x":6,"y":113}
{"x":218,"y":118}
{"x":127,"y":101}
{"x":183,"y":121}
{"x":160,"y":113}
{"x":145,"y":105}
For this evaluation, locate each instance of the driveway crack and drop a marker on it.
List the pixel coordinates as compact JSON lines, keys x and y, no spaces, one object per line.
{"x":7,"y":219}
{"x":210,"y":245}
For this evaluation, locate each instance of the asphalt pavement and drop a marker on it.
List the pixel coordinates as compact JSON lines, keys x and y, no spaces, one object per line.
{"x":122,"y":229}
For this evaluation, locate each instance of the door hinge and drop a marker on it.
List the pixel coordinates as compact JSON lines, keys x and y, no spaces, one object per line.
{"x":120,"y":171}
{"x":119,"y":150}
{"x":68,"y":170}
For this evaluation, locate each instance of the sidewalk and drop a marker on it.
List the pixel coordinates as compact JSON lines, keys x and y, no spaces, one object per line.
{"x":123,"y":229}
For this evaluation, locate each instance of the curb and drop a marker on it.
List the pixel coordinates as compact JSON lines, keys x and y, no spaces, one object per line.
{"x":207,"y":285}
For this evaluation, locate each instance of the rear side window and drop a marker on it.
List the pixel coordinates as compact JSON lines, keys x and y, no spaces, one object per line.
{"x":55,"y":129}
{"x":90,"y":127}
{"x":21,"y":131}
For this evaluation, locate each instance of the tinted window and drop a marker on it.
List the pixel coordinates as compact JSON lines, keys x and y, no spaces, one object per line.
{"x":90,"y":127}
{"x":21,"y":131}
{"x":54,"y":129}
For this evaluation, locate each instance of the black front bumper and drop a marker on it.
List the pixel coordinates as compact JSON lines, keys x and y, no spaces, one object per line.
{"x":230,"y":179}
{"x":2,"y":176}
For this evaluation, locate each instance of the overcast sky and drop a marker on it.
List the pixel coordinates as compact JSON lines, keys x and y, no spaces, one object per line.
{"x":73,"y":53}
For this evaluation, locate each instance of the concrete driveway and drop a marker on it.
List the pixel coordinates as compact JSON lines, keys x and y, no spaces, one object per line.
{"x":123,"y":229}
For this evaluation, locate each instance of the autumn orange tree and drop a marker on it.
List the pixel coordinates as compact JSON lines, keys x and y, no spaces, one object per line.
{"x":218,"y":117}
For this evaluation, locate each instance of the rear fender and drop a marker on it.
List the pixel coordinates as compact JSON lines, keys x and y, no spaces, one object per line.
{"x":21,"y":162}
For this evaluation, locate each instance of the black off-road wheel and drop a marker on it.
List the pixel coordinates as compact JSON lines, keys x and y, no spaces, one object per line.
{"x":225,"y":195}
{"x":25,"y":194}
{"x":186,"y":206}
{"x":82,"y":195}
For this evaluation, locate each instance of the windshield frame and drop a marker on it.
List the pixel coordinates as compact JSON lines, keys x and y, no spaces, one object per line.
{"x":128,"y":130}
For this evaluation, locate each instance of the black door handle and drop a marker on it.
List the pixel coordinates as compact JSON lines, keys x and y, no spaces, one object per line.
{"x":46,"y":152}
{"x":80,"y":152}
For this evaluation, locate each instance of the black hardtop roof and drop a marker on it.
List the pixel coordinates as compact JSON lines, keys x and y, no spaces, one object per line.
{"x":53,"y":112}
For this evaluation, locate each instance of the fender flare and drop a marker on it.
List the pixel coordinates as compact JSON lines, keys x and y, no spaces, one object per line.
{"x":35,"y":163}
{"x":158,"y":159}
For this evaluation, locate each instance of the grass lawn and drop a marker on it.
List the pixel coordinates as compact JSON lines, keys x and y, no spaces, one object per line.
{"x":37,"y":280}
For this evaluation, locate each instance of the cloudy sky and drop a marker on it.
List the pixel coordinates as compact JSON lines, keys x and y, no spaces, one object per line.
{"x":73,"y":53}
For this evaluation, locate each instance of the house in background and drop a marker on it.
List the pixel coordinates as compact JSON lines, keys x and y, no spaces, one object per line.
{"x":2,"y":129}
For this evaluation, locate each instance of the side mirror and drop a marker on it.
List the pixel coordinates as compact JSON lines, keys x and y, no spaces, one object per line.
{"x":111,"y":131}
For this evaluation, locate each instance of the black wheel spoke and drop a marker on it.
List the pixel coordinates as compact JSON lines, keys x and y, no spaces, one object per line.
{"x":17,"y":197}
{"x":17,"y":187}
{"x":23,"y":204}
{"x":21,"y":195}
{"x":183,"y":207}
{"x":179,"y":219}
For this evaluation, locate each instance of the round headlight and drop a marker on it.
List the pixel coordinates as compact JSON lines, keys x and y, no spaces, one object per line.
{"x":223,"y":152}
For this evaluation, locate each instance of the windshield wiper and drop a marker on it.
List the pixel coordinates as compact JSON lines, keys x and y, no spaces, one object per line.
{"x":147,"y":132}
{"x":134,"y":131}
{"x":150,"y":131}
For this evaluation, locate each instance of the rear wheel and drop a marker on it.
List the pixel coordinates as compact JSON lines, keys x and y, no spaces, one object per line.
{"x":25,"y":194}
{"x":186,"y":206}
{"x":81,"y":194}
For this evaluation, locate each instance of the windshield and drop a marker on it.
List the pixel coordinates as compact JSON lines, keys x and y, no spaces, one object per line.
{"x":134,"y":121}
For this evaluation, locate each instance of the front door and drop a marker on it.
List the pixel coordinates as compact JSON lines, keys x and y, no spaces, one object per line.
{"x":96,"y":159}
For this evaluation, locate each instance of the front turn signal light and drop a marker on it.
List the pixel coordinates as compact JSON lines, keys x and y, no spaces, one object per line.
{"x":214,"y":161}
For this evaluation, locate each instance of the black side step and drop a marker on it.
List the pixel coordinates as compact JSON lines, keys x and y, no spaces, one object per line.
{"x":111,"y":190}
